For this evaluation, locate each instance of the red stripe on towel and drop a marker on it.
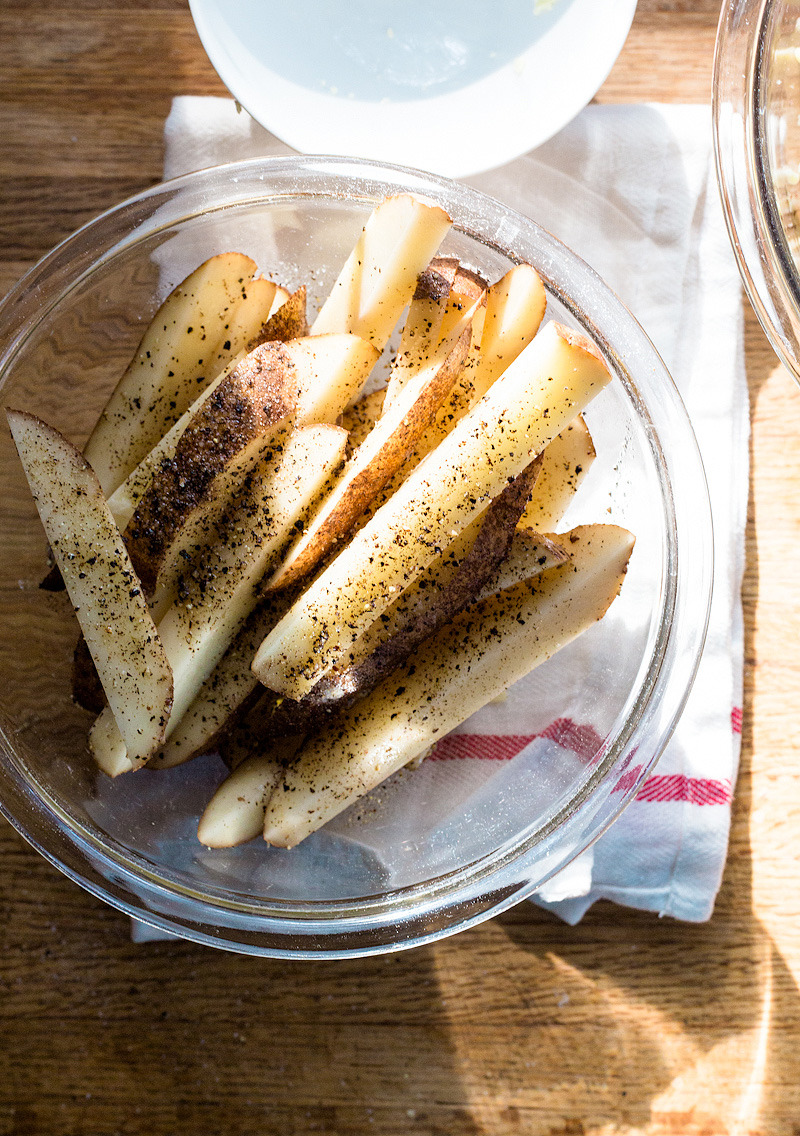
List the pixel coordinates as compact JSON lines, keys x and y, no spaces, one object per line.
{"x":586,"y":743}
{"x":677,"y":787}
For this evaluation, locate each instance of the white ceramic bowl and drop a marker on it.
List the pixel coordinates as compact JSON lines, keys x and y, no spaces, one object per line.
{"x":454,"y":87}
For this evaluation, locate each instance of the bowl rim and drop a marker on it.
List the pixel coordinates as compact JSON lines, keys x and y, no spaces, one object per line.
{"x":474,"y":891}
{"x":741,"y":156}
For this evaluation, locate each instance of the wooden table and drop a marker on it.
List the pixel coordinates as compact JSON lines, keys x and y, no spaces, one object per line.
{"x":625,"y":1024}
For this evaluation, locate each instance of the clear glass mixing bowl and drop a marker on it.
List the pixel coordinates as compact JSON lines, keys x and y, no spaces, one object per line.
{"x":757,"y":140}
{"x":359,"y":886}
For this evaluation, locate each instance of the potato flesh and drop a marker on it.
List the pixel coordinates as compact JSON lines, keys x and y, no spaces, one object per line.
{"x":175,"y":358}
{"x":378,"y":279}
{"x":375,"y":461}
{"x":250,"y":321}
{"x":549,"y":382}
{"x":515,"y":308}
{"x":422,"y":330}
{"x":235,"y":814}
{"x":483,"y":652}
{"x":512,"y":315}
{"x":223,"y":591}
{"x":102,"y":585}
{"x":566,"y":462}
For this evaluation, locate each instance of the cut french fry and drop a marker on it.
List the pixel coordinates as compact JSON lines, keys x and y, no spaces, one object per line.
{"x":513,"y":312}
{"x":173,"y":361}
{"x":222,"y":591}
{"x":515,"y":308}
{"x":549,"y":382}
{"x":378,"y":279}
{"x":376,"y":460}
{"x":101,"y":583}
{"x":423,"y":330}
{"x":235,"y":814}
{"x":283,"y":324}
{"x":436,"y":606}
{"x":566,"y":461}
{"x":224,"y":695}
{"x":485,"y":650}
{"x":246,"y":415}
{"x":376,"y":654}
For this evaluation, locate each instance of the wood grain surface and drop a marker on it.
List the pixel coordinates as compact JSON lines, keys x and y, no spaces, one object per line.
{"x":626,"y":1024}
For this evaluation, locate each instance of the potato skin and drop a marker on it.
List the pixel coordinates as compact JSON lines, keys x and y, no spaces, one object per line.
{"x":340,"y":689}
{"x":255,"y":397}
{"x":363,"y":484}
{"x":288,"y":322}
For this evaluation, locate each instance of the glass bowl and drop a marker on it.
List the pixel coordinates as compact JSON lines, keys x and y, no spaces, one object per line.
{"x":366,"y":883}
{"x":756,"y":109}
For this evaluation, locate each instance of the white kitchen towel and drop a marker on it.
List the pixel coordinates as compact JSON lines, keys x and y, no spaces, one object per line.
{"x":632,"y":190}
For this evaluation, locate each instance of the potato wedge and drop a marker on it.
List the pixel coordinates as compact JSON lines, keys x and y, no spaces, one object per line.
{"x":246,"y":415}
{"x":529,"y":554}
{"x":174,"y":360}
{"x":436,"y":606}
{"x":224,"y":696}
{"x":285,"y":320}
{"x":101,"y":583}
{"x":432,"y":315}
{"x":549,"y":382}
{"x":282,"y":325}
{"x":566,"y":462}
{"x":484,"y":651}
{"x":378,"y":279}
{"x":221,"y":591}
{"x":514,"y":309}
{"x":235,"y":814}
{"x":376,"y":460}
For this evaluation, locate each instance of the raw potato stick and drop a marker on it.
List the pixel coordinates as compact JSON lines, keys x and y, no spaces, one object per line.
{"x":102,"y":585}
{"x":514,"y":310}
{"x":219,"y":594}
{"x":567,"y":460}
{"x":378,"y":279}
{"x":374,"y":463}
{"x":250,"y":410}
{"x":235,"y":814}
{"x":273,"y":716}
{"x":545,"y":387}
{"x":344,"y":686}
{"x":170,"y":367}
{"x":283,"y":323}
{"x":486,"y":649}
{"x":327,"y":370}
{"x":432,"y":317}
